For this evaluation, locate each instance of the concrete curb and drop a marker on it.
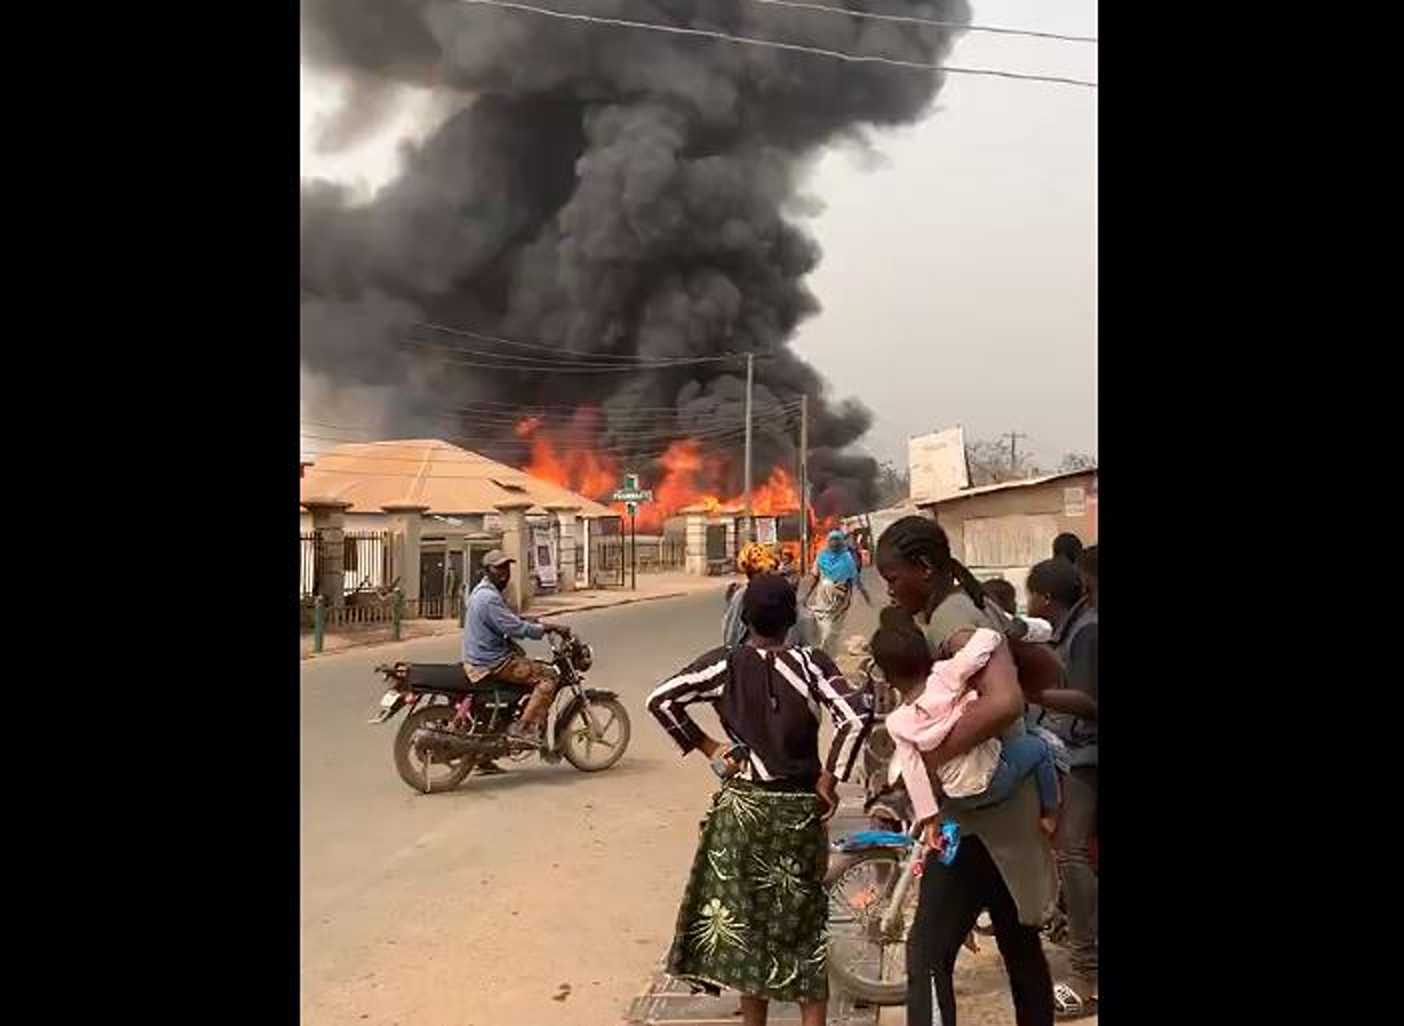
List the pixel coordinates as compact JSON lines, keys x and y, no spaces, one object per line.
{"x":453,"y":628}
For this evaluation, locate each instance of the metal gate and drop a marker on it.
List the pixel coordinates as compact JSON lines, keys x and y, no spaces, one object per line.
{"x":608,"y":553}
{"x":365,"y":561}
{"x":719,"y":555}
{"x":311,"y":563}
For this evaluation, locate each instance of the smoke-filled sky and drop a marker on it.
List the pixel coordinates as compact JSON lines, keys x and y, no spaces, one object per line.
{"x":957,"y":281}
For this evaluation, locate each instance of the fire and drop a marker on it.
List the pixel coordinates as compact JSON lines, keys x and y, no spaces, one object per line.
{"x":777,"y":495}
{"x":683,"y":476}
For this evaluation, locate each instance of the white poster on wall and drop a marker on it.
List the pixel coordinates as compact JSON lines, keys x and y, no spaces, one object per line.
{"x":765,"y":530}
{"x":936,"y":463}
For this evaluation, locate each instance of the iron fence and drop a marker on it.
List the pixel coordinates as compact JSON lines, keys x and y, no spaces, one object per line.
{"x":657,"y":552}
{"x":310,"y":563}
{"x":607,"y":554}
{"x":365,"y":562}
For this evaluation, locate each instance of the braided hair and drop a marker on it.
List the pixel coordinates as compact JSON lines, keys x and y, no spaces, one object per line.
{"x":915,"y":538}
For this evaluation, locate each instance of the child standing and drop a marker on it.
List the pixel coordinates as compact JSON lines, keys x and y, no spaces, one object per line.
{"x":1021,"y":628}
{"x":935,"y":695}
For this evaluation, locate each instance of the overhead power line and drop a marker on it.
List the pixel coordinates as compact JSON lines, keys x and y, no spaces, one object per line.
{"x":646,"y":455}
{"x":817,"y":51}
{"x":612,"y":443}
{"x":562,"y":422}
{"x":543,"y":362}
{"x":567,"y":420}
{"x":548,"y":367}
{"x":913,"y":19}
{"x":568,"y":408}
{"x":537,"y":346}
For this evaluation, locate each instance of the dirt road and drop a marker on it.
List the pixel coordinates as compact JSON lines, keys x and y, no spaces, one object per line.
{"x":541,"y":897}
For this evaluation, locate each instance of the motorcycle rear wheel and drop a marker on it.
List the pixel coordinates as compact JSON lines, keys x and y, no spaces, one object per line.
{"x":870,"y":971}
{"x":590,"y":755}
{"x":413,"y":769}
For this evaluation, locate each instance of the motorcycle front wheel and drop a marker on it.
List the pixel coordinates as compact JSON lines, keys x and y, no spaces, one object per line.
{"x":587,"y":750}
{"x":419,"y":772}
{"x":862,"y":961}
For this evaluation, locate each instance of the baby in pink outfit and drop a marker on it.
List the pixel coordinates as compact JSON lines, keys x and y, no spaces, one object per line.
{"x":935,"y":696}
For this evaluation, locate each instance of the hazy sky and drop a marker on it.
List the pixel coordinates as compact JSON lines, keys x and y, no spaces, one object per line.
{"x":959,"y":277}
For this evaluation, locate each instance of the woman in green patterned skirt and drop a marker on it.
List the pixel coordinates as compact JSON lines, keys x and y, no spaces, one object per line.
{"x":754,"y":911}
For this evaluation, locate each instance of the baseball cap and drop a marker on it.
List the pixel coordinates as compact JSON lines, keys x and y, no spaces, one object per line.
{"x":496,"y":557}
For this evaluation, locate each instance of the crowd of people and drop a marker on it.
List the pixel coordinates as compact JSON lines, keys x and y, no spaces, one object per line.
{"x":997,"y":734}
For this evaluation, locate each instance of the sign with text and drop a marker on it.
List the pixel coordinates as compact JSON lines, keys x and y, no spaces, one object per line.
{"x":936,"y":464}
{"x":631,"y":494}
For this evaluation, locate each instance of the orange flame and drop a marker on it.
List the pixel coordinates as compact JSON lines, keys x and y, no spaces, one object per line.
{"x":685,"y":476}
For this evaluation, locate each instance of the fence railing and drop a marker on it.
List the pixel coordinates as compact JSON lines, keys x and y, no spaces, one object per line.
{"x":311,"y":556}
{"x":376,"y":609}
{"x":365,"y":562}
{"x":659,"y":552}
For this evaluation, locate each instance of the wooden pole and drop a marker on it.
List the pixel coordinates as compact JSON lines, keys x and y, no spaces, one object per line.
{"x":749,"y":533}
{"x":804,"y":484}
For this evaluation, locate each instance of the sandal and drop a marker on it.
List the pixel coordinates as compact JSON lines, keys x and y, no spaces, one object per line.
{"x":1069,"y":1004}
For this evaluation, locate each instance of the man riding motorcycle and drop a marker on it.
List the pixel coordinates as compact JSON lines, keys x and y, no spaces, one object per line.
{"x":489,"y":649}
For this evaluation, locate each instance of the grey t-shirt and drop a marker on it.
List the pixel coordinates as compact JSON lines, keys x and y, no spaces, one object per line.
{"x":1008,"y":830}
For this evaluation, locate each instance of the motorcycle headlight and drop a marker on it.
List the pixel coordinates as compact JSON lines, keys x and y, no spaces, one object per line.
{"x":582,"y":657}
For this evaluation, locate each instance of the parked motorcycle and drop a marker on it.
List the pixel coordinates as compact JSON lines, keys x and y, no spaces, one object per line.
{"x":452,"y":724}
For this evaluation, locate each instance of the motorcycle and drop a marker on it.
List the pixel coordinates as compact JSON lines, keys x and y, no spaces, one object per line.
{"x":452,"y":724}
{"x":874,"y":882}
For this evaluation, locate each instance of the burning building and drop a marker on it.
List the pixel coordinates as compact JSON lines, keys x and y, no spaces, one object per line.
{"x":602,"y":224}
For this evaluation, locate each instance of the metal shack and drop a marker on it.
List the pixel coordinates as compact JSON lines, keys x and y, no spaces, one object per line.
{"x":1002,"y":530}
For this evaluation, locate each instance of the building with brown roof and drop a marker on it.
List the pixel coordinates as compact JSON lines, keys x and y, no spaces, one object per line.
{"x":452,"y":497}
{"x":448,"y":480}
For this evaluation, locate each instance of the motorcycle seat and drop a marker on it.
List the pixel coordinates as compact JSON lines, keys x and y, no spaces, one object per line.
{"x":449,"y":677}
{"x":436,"y":677}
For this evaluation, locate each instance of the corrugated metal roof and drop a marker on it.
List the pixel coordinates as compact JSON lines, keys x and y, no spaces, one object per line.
{"x":429,"y":472}
{"x":1027,"y":482}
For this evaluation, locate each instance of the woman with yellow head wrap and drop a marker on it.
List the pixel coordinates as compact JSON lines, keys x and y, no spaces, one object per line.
{"x":755,"y":558}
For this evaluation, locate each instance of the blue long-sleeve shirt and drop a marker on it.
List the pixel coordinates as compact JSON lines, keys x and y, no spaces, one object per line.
{"x":487,"y":625}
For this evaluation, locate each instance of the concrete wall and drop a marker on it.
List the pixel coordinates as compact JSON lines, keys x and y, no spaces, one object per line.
{"x":354,"y":522}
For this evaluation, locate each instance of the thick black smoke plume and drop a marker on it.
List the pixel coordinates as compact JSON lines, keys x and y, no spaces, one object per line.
{"x":601,"y":190}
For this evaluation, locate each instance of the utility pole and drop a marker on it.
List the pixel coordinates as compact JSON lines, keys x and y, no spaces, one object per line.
{"x":750,"y":525}
{"x":1014,"y":437}
{"x":804,"y":483}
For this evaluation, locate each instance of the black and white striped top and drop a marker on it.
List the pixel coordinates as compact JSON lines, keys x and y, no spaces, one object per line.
{"x":770,"y":702}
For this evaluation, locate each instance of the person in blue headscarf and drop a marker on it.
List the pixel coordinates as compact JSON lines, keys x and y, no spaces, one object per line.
{"x":831,"y":583}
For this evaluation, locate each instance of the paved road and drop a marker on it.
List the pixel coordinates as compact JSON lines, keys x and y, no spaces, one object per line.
{"x":479,"y":907}
{"x":419,"y":909}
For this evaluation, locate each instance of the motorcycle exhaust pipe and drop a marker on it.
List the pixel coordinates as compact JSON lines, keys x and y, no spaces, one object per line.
{"x":445,"y":745}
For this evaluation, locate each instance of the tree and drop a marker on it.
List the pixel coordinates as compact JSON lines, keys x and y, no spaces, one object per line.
{"x":1077,"y":461}
{"x":893,"y":484}
{"x":989,"y":463}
